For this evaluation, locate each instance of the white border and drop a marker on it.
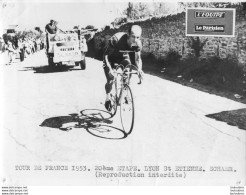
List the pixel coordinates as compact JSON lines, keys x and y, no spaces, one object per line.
{"x":123,"y":190}
{"x":219,"y":9}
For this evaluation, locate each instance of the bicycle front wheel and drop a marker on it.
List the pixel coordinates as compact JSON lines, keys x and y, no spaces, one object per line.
{"x":127,"y":109}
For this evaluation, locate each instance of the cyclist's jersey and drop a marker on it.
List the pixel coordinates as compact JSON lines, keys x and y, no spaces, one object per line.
{"x":116,"y":43}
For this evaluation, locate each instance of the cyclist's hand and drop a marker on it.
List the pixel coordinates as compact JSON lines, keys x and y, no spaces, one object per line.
{"x":140,"y":76}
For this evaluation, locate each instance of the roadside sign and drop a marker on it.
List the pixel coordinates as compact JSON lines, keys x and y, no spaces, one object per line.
{"x":219,"y":22}
{"x":66,"y":53}
{"x":65,"y":47}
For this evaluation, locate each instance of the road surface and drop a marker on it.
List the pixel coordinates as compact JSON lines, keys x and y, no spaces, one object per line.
{"x":171,"y":127}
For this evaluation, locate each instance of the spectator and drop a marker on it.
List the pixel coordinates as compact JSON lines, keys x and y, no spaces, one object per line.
{"x":27,"y":47}
{"x":35,"y":45}
{"x":21,"y":50}
{"x":11,"y":51}
{"x":1,"y":45}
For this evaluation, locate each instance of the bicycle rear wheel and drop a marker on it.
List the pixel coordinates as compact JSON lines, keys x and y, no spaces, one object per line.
{"x":127,"y":109}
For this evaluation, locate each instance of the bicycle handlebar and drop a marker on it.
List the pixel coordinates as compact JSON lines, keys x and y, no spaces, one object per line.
{"x":126,"y":71}
{"x":126,"y":51}
{"x":137,"y":73}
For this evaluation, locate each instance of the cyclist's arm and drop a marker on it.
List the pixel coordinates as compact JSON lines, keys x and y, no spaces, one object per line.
{"x":106,"y":61}
{"x":108,"y":51}
{"x":139,"y":65}
{"x":138,"y":60}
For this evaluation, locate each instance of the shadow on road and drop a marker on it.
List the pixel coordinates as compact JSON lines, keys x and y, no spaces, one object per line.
{"x":94,"y":121}
{"x":48,"y":69}
{"x":232,"y":117}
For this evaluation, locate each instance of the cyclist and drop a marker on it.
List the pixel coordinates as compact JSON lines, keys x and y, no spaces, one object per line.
{"x":121,"y":41}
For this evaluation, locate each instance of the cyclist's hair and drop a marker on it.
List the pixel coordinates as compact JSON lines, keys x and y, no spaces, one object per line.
{"x":133,"y":28}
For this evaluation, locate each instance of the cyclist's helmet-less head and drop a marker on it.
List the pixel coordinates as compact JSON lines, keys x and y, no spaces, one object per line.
{"x":134,"y":34}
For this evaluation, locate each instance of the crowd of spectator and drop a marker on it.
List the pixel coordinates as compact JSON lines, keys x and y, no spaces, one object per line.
{"x":19,"y":48}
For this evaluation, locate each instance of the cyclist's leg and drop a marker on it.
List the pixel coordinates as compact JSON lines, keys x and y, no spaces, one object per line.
{"x":125,"y":62}
{"x":108,"y":86}
{"x":109,"y":76}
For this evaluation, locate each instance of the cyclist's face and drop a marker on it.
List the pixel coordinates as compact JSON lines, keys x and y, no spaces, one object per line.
{"x":134,"y":37}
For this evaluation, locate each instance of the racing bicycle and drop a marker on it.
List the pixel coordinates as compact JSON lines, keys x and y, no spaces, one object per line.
{"x":122,"y":96}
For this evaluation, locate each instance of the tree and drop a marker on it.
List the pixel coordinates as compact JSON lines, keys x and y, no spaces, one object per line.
{"x":89,"y":27}
{"x":142,"y":10}
{"x":137,"y":11}
{"x":129,"y":10}
{"x":236,"y":5}
{"x":159,"y":8}
{"x":38,"y":29}
{"x":118,"y":21}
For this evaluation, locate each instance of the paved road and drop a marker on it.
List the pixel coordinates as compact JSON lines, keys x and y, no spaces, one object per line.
{"x":171,"y":126}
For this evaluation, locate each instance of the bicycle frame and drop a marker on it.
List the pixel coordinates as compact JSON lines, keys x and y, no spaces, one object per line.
{"x":125,"y":77}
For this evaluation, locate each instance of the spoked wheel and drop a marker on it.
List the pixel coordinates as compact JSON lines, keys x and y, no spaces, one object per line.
{"x":127,"y":109}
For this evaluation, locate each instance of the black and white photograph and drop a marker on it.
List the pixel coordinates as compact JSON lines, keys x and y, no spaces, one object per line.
{"x":118,"y":93}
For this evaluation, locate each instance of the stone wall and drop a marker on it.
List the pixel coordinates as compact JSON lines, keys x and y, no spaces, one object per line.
{"x":162,"y":34}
